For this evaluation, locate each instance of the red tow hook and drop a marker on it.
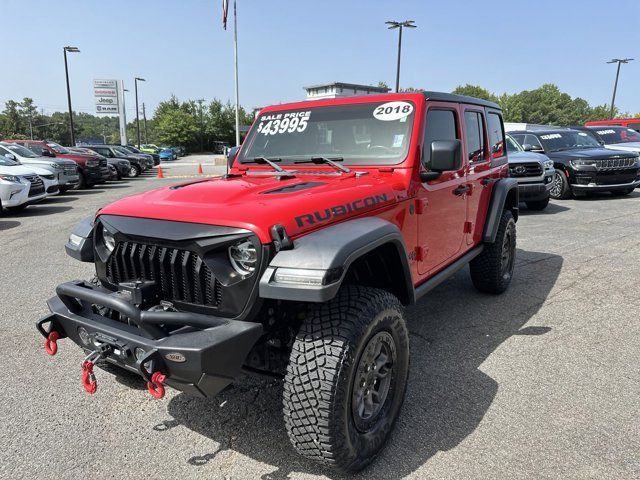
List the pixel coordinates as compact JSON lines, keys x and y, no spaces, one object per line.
{"x":155,"y":386}
{"x":88,"y":377}
{"x":50,"y":345}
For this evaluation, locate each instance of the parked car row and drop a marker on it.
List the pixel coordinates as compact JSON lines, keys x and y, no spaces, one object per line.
{"x":584,"y":159}
{"x":163,"y":153}
{"x":31,"y":170}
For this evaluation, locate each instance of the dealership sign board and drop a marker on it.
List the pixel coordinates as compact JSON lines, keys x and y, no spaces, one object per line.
{"x":106,"y":98}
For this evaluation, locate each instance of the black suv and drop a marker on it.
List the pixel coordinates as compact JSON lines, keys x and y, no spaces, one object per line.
{"x":138,"y":164}
{"x":582,"y":164}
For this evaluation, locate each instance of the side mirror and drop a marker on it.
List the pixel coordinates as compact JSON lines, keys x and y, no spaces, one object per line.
{"x":47,"y":153}
{"x":445,"y":156}
{"x":10,"y":156}
{"x":231,"y":155}
{"x":531,"y":148}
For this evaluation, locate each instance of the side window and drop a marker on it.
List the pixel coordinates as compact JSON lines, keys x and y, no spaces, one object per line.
{"x":533,"y":141}
{"x":441,"y":125}
{"x":475,"y":135}
{"x":37,"y":149}
{"x":496,"y":135}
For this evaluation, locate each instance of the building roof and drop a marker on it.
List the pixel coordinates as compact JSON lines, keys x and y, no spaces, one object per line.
{"x":357,"y":86}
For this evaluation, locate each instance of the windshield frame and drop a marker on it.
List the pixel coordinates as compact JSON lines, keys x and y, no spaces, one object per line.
{"x":354,"y":161}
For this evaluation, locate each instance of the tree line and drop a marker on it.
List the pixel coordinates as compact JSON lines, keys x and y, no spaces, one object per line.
{"x":196,"y":124}
{"x":193,"y":124}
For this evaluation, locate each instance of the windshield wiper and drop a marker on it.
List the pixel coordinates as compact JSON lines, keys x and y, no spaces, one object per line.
{"x":328,"y":161}
{"x":264,"y":160}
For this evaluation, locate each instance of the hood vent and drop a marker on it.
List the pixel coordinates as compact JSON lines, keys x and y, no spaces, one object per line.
{"x":295,"y":187}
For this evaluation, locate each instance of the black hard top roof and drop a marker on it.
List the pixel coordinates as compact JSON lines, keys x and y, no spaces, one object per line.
{"x":452,"y":97}
{"x":539,"y":131}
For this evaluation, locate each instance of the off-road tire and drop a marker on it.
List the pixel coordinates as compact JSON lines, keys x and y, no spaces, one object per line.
{"x":492,"y":270}
{"x":537,"y":204}
{"x":560,"y":189}
{"x":134,"y":171}
{"x":622,"y":193}
{"x":330,"y":353}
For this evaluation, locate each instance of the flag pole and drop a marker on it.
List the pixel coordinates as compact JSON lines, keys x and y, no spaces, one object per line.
{"x":235,"y":49}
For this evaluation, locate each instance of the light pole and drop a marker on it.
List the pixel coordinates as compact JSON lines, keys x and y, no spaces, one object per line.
{"x":619,"y":61}
{"x":138,"y":79}
{"x":399,"y":25}
{"x":66,"y":71}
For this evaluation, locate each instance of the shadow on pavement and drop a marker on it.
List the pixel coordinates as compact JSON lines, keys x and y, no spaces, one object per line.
{"x":551,"y":209}
{"x":453,"y":331}
{"x":41,"y":209}
{"x":8,"y":225}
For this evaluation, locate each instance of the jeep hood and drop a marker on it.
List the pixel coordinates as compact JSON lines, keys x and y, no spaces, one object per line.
{"x":257,"y":202}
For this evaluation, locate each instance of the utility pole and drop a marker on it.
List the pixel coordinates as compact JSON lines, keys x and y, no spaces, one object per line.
{"x":619,"y":61}
{"x":136,"y":80}
{"x":144,"y":117}
{"x":399,"y":26}
{"x":66,"y":71}
{"x":200,"y":102}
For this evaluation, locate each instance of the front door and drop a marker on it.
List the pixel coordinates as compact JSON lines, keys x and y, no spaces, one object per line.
{"x":441,"y":204}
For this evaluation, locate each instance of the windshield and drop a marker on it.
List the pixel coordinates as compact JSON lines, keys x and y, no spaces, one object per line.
{"x":612,"y":135}
{"x":58,"y":148}
{"x":512,"y":145}
{"x":19,"y":150}
{"x":567,"y":140}
{"x":364,"y":133}
{"x":122,"y":151}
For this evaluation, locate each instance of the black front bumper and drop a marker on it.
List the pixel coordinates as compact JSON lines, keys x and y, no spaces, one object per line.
{"x":200,"y":357}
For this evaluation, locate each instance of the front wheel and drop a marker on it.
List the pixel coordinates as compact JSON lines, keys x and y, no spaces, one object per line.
{"x":492,"y":270}
{"x":347,"y":377}
{"x":560,"y":187}
{"x":134,"y":171}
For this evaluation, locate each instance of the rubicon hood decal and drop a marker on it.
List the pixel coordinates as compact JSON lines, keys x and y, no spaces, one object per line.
{"x":320,"y":216}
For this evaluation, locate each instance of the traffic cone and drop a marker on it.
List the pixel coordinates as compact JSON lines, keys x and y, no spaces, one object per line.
{"x":160,"y":174}
{"x":200,"y":172}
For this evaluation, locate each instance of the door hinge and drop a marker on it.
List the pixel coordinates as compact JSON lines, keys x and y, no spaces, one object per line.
{"x":421,"y":253}
{"x":421,"y":205}
{"x":468,"y":227}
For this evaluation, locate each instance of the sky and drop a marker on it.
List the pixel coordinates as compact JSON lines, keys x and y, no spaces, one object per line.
{"x":180,"y":48}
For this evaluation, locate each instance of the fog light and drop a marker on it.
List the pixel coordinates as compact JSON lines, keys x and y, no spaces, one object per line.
{"x":84,"y":336}
{"x":75,"y":240}
{"x":139,"y":353}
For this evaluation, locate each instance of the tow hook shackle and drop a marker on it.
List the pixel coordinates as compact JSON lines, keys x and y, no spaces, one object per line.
{"x":89,"y":382}
{"x":155,"y":385}
{"x":50,"y":343}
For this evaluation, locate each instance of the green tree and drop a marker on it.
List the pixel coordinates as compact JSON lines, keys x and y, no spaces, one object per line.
{"x":475,"y":91}
{"x":12,"y":119}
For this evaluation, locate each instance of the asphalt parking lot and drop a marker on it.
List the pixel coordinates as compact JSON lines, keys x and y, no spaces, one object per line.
{"x":542,"y":382}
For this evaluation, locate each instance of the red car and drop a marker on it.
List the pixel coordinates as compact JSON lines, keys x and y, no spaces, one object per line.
{"x":624,"y":122}
{"x":297,"y":264}
{"x":92,"y":169}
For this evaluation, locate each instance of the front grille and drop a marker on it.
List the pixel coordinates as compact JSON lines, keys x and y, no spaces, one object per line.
{"x":615,"y":163}
{"x":180,"y":275}
{"x":532,"y":169}
{"x":70,"y":169}
{"x":37,"y":185}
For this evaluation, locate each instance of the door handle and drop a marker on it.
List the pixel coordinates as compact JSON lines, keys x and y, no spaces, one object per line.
{"x":462,"y":190}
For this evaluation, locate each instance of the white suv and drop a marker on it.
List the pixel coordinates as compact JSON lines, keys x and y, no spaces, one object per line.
{"x":20,"y":186}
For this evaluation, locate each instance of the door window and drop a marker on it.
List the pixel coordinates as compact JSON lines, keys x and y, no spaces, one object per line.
{"x":441,"y":125}
{"x":474,"y":122}
{"x":496,"y":135}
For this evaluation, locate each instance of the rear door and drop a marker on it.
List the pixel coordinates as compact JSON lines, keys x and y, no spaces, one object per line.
{"x":440,"y":207}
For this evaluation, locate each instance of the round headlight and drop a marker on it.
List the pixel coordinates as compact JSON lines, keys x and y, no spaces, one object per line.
{"x":243,"y":257}
{"x":108,"y":239}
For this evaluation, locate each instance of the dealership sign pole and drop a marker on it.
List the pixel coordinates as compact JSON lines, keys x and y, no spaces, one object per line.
{"x":225,"y":9}
{"x":107,"y":96}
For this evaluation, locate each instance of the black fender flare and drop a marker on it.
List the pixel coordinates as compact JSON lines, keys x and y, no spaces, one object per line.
{"x":504,"y":196}
{"x":332,"y":250}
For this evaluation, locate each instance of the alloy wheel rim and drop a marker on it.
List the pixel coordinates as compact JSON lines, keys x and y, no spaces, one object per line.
{"x":372,"y":382}
{"x":507,"y":256}
{"x":556,"y":189}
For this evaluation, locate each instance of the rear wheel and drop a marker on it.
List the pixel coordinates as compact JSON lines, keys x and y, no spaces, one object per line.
{"x":347,"y":377}
{"x":537,"y":204}
{"x":560,"y":187}
{"x":492,"y":270}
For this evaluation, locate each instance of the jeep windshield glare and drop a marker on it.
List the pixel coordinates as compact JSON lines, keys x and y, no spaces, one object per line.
{"x":361,"y":134}
{"x":58,"y":148}
{"x":20,"y":151}
{"x":567,"y":140}
{"x":613,"y":135}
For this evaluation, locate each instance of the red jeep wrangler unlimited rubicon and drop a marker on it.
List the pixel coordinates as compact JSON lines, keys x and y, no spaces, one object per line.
{"x":334,"y":215}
